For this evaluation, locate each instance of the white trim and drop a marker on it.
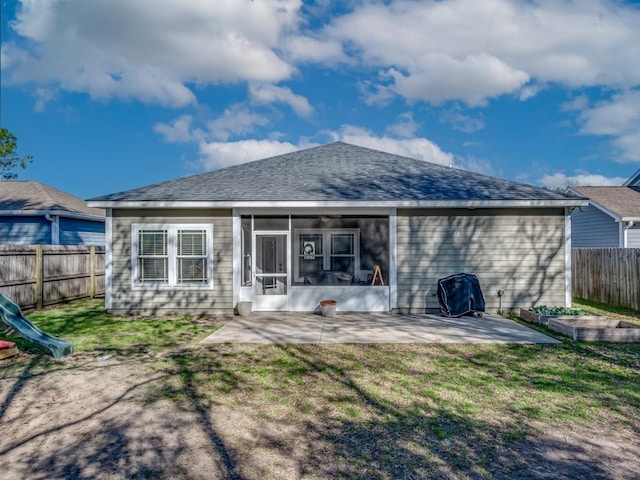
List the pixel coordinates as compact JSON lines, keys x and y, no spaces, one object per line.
{"x":172,"y":232}
{"x":266,"y":303}
{"x":303,"y":211}
{"x":55,"y":228}
{"x":622,"y":235}
{"x":326,"y":254}
{"x":108,"y":257}
{"x":59,"y":213}
{"x":567,"y":259}
{"x":237,"y":255}
{"x":340,"y":204}
{"x":393,"y":259}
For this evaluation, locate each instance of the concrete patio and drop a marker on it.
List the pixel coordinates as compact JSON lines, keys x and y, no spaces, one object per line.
{"x":283,"y":328}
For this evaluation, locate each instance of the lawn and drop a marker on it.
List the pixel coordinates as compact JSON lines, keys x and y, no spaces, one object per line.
{"x":173,"y":409}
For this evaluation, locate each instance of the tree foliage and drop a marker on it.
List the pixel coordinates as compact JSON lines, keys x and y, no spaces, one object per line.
{"x":9,"y":158}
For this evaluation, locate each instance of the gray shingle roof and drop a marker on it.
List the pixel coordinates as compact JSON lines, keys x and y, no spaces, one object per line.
{"x":337,"y":172}
{"x":28,"y":195}
{"x":623,"y":202}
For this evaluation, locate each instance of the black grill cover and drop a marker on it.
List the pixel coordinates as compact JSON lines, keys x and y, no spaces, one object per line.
{"x":460,"y":295}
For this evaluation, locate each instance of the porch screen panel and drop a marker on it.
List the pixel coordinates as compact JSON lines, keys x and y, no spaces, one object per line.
{"x":153,"y":260}
{"x":311,"y":257}
{"x":192,"y":256}
{"x":343,"y":252}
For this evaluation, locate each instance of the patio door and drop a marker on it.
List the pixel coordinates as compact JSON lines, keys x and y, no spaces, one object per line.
{"x":271,"y":285}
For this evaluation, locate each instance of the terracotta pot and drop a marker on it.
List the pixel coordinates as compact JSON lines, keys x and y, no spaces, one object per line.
{"x":328,"y":308}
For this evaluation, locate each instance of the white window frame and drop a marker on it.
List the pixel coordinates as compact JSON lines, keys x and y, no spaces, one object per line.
{"x":172,"y":254}
{"x":326,"y":252}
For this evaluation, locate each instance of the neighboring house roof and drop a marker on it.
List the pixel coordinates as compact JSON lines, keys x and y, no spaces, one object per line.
{"x":622,"y":203}
{"x":633,"y":181}
{"x":340,"y":174}
{"x":26,"y":197}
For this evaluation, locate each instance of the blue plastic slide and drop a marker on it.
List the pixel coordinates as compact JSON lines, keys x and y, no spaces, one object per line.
{"x":12,"y":316}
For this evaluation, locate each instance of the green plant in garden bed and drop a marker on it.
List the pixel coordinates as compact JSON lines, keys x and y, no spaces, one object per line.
{"x":547,"y":310}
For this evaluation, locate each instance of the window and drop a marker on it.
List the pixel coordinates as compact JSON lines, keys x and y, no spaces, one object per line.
{"x":326,"y":250}
{"x":172,"y":256}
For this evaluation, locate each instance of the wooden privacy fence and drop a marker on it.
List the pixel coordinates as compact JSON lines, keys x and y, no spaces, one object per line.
{"x":34,"y":276}
{"x":607,"y":275}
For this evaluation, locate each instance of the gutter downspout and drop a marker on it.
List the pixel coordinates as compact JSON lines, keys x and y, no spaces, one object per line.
{"x":55,"y":228}
{"x":626,"y":227}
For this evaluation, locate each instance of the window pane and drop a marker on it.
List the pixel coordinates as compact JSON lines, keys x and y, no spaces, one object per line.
{"x":192,"y":243}
{"x":342,"y":264}
{"x":270,"y":223}
{"x":247,"y":236}
{"x":342,"y":244}
{"x":307,"y":267}
{"x":152,"y":242}
{"x":310,"y":245}
{"x":153,"y":270}
{"x":271,"y":286}
{"x":192,"y":270}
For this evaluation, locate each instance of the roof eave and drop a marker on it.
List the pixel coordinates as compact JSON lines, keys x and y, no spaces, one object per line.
{"x":59,"y":213}
{"x":125,"y":204}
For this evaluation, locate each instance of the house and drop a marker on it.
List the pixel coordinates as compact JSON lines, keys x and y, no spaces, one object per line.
{"x":612,"y":218}
{"x":289,"y":231}
{"x":32,"y":213}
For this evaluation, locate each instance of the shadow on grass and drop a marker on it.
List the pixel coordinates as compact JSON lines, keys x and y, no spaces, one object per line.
{"x":383,"y":411}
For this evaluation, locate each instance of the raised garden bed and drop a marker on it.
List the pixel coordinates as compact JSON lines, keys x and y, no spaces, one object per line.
{"x":596,"y":329}
{"x":544,"y":314}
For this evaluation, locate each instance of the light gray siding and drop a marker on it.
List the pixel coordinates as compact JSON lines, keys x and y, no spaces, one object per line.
{"x":519,"y":251}
{"x":591,"y":227}
{"x":81,"y":232}
{"x":160,"y":302}
{"x":25,"y":231}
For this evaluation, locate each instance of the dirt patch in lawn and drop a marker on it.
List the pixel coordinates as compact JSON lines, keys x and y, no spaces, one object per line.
{"x":203,"y":413}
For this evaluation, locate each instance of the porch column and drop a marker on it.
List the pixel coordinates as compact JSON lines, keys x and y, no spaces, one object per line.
{"x":237,"y":255}
{"x":393,"y":265}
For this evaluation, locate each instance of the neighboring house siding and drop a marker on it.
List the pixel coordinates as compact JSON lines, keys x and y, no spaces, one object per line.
{"x":126,"y":300}
{"x":519,"y":251}
{"x":81,"y":232}
{"x":591,"y":227}
{"x":25,"y":230}
{"x":633,"y":237}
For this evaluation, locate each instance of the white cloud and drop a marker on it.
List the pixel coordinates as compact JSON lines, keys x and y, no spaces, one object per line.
{"x":460,"y":121}
{"x":216,"y":155}
{"x":618,"y":118}
{"x":179,"y":131}
{"x":419,"y":148}
{"x":43,"y":96}
{"x":309,"y":49}
{"x":405,"y":127}
{"x":474,"y":164}
{"x":560,"y":180}
{"x":236,"y":120}
{"x":148,"y":50}
{"x":267,"y":94}
{"x":575,"y":104}
{"x":437,"y":77}
{"x":472,"y":51}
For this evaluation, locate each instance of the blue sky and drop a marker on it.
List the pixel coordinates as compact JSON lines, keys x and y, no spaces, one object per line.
{"x":109,"y":95}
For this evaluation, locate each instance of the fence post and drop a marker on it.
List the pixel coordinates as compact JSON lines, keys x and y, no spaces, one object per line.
{"x":92,"y":271}
{"x":38,"y":272}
